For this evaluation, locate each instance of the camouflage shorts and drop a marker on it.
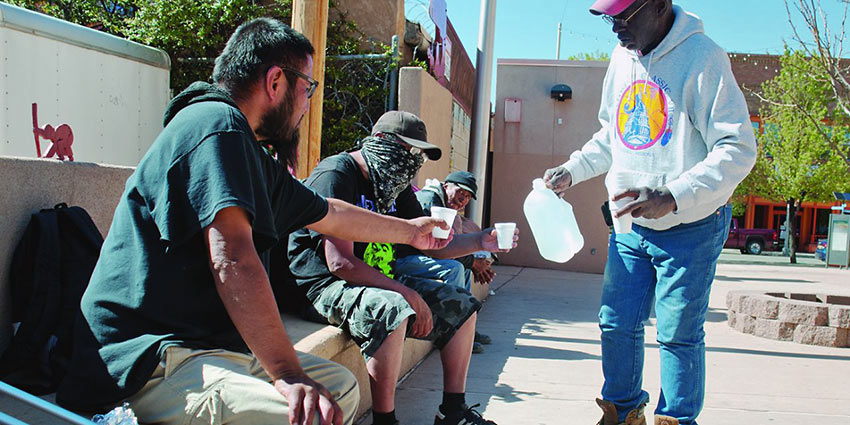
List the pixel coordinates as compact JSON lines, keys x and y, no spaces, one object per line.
{"x":369,"y":314}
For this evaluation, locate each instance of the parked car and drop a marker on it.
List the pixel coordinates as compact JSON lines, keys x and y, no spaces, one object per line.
{"x":751,"y":241}
{"x":820,"y":251}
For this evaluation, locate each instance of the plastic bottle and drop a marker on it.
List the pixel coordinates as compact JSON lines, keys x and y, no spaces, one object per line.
{"x":553,"y":224}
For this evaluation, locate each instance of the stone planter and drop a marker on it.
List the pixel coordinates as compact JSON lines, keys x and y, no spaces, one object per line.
{"x":814,"y":319}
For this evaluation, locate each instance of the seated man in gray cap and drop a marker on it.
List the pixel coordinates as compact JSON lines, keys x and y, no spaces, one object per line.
{"x":454,"y":193}
{"x":352,"y":284}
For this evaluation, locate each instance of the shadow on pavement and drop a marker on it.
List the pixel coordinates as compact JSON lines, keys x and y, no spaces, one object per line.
{"x":760,"y":279}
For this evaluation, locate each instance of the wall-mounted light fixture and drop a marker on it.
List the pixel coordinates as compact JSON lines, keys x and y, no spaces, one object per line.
{"x":561,"y":92}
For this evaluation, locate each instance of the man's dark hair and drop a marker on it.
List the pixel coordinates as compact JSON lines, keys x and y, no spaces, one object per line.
{"x":254,"y":47}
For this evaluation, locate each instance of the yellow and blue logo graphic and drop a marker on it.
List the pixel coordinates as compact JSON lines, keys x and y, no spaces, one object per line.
{"x":643,"y":117}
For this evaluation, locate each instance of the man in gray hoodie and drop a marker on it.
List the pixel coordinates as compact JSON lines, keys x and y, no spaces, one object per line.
{"x":675,"y":140}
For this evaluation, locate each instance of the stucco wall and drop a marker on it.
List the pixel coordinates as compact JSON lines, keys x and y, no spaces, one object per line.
{"x":547,"y":133}
{"x":379,"y":20}
{"x":420,"y":94}
{"x":29,"y":185}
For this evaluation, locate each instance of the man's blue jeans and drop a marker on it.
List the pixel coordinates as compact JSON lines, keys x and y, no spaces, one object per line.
{"x":675,"y":268}
{"x":449,"y":271}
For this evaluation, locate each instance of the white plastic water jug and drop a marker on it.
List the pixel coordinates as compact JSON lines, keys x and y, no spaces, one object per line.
{"x":553,"y":223}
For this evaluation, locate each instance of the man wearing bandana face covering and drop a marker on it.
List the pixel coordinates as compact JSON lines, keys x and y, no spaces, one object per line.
{"x":351,"y":285}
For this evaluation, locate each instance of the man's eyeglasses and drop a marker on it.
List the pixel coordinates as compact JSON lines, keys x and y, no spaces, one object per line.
{"x":623,"y":22}
{"x":313,"y":83}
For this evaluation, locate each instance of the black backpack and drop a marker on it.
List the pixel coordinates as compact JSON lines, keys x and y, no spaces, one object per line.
{"x":50,"y":270}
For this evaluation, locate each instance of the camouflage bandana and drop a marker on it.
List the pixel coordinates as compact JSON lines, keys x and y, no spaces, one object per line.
{"x":391,"y":169}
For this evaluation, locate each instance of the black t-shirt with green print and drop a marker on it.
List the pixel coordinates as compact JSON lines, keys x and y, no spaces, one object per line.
{"x":339,"y":177}
{"x":152,"y":287}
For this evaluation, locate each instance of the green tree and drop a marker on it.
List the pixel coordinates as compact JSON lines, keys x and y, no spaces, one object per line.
{"x":193,"y":32}
{"x":356,"y":90}
{"x":109,"y":16}
{"x":826,"y":48}
{"x":593,"y":56}
{"x":805,"y":140}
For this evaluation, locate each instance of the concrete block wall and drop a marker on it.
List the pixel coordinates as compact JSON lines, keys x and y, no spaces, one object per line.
{"x":461,"y":129}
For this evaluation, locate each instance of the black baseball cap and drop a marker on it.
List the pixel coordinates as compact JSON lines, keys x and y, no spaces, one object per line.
{"x":465,"y":180}
{"x":409,"y":128}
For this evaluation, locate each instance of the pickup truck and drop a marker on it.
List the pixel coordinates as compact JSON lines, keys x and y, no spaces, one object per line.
{"x":751,"y":241}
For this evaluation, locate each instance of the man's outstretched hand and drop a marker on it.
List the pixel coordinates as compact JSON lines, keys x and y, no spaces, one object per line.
{"x":490,"y":240}
{"x":423,"y":239}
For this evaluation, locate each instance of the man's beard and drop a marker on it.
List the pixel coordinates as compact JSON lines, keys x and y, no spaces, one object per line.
{"x":275,"y":130}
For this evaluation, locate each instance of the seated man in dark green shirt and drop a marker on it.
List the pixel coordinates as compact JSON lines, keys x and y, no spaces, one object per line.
{"x":179,"y":318}
{"x":352,"y":285}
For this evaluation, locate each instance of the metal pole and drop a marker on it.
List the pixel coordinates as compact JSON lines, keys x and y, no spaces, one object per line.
{"x":786,"y":249}
{"x":47,"y":407}
{"x":394,"y":76}
{"x":558,"y":44}
{"x":9,"y":420}
{"x":480,"y":132}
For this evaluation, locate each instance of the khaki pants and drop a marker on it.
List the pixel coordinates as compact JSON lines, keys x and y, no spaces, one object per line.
{"x":224,"y":387}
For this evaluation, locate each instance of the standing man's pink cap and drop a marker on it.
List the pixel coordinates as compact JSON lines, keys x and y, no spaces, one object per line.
{"x":610,"y":7}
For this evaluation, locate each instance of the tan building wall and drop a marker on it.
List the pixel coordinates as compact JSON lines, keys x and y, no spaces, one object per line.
{"x":547,"y":132}
{"x":422,"y":95}
{"x":379,"y":20}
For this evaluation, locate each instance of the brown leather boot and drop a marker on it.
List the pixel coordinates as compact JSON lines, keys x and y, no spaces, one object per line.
{"x":609,"y":414}
{"x":665,"y":420}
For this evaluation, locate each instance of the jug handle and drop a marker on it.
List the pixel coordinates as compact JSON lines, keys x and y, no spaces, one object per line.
{"x":538,"y":184}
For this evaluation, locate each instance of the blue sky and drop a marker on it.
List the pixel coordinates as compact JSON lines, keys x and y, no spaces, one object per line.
{"x":527,"y":28}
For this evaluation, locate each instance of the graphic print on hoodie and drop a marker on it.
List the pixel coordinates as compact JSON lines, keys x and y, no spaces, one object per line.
{"x":643,"y":118}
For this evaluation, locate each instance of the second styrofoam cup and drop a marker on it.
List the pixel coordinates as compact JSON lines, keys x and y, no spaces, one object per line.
{"x":448,"y":215}
{"x":623,"y":224}
{"x":619,"y":181}
{"x":505,"y":234}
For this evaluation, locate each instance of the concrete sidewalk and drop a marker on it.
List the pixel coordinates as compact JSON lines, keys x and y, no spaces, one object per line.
{"x":544,"y":366}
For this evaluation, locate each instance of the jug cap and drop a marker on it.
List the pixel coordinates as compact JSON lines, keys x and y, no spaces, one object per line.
{"x":538,"y":184}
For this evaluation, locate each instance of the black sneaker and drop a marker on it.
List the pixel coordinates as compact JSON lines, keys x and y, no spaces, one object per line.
{"x":483,"y":339}
{"x":465,"y":416}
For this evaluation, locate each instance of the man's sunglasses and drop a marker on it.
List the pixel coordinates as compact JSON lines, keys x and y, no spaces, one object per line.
{"x":623,"y":22}
{"x":407,"y":146}
{"x":313,"y":83}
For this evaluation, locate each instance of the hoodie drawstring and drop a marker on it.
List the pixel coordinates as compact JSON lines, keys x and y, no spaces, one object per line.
{"x":648,"y":70}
